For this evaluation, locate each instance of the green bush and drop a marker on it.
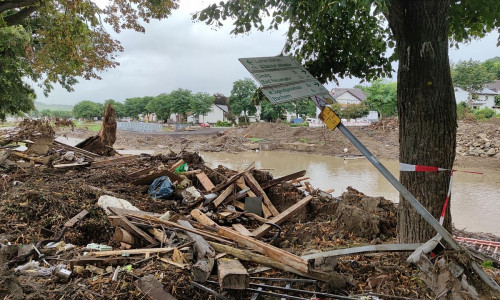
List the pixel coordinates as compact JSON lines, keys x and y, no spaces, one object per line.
{"x":223,"y":124}
{"x":484,"y":113}
{"x":465,"y":112}
{"x":244,"y":123}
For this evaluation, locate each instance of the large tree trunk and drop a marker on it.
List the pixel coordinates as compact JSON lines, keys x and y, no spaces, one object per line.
{"x":102,"y":143}
{"x":426,"y":109}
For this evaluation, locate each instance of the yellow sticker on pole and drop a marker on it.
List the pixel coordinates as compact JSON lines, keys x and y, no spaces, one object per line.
{"x":329,"y":117}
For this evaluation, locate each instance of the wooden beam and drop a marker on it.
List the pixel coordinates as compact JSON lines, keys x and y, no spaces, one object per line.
{"x":266,"y":261}
{"x":254,"y":185}
{"x":276,"y":181}
{"x":134,"y":230}
{"x":224,"y":195}
{"x":241,"y":184}
{"x":71,"y":165}
{"x":139,"y":213}
{"x":131,"y":252}
{"x":205,"y":181}
{"x":148,"y":179}
{"x":241,"y":229}
{"x":152,"y":288}
{"x":121,"y":235}
{"x":76,"y":218}
{"x":232,"y":179}
{"x":176,"y":165}
{"x":261,"y":247}
{"x":299,"y":179}
{"x":364,"y":249}
{"x":26,"y":156}
{"x":112,"y":161}
{"x":232,"y":274}
{"x":285,"y":215}
{"x":202,"y":269}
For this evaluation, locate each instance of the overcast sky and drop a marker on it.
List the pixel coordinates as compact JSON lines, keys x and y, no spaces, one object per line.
{"x":177,"y":53}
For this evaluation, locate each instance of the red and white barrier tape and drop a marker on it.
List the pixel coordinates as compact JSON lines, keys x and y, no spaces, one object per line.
{"x":419,"y":168}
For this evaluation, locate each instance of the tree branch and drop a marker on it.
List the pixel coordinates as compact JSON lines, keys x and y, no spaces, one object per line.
{"x":11,"y":4}
{"x":18,"y":17}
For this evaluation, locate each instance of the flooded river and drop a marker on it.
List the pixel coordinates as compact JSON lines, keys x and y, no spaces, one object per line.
{"x":475,"y":200}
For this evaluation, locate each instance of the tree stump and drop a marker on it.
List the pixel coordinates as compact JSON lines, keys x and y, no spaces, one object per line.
{"x":102,"y":143}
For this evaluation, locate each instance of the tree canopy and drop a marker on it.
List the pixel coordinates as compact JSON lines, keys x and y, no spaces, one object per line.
{"x":57,"y":41}
{"x":181,"y":99}
{"x":471,"y":76}
{"x":241,"y":97}
{"x":382,"y":97}
{"x":201,"y":103}
{"x":88,"y":110}
{"x":335,"y":39}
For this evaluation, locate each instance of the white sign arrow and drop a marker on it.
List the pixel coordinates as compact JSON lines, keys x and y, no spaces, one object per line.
{"x":254,"y":64}
{"x":280,"y":94}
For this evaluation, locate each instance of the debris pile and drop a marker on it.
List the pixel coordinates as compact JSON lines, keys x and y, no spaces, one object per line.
{"x":169,"y":227}
{"x":485,"y":144}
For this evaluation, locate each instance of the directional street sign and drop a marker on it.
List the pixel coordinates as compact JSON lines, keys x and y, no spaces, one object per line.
{"x":280,"y":94}
{"x":283,"y":79}
{"x":254,"y":64}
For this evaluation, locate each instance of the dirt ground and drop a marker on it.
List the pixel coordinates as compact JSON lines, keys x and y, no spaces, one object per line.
{"x":381,"y":139}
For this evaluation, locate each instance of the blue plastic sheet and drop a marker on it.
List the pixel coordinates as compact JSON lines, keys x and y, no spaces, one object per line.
{"x":161,"y":188}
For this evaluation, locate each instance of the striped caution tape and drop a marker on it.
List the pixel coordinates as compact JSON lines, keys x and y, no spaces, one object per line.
{"x":419,"y":168}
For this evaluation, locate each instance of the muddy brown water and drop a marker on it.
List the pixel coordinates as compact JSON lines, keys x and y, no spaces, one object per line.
{"x":475,"y":204}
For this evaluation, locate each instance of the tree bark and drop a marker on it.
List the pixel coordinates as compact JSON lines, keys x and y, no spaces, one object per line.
{"x":426,"y":109}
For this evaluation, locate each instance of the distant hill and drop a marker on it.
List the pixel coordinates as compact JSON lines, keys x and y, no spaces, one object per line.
{"x":54,"y":107}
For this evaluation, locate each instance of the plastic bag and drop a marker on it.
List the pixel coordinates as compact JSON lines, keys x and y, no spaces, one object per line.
{"x":161,"y":188}
{"x":181,"y":169}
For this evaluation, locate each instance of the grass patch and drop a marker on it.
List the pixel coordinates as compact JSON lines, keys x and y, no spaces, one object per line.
{"x":254,"y":140}
{"x":7,"y":124}
{"x":90,"y":126}
{"x":304,"y":140}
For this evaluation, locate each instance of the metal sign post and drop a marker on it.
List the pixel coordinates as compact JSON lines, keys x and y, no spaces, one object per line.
{"x":288,"y":90}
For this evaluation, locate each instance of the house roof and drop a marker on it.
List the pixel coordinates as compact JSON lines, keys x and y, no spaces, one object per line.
{"x":223,"y":107}
{"x":486,"y":91}
{"x":495,"y":86}
{"x":358,"y":93}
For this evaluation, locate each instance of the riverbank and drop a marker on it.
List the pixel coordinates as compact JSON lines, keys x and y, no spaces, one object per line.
{"x":478,"y":143}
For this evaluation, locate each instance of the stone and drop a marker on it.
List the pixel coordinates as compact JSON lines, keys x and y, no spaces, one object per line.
{"x":491,"y":152}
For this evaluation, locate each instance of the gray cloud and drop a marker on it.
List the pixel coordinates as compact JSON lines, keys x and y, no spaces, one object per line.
{"x":177,"y":53}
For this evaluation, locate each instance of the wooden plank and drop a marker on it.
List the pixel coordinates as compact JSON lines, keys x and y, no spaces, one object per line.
{"x":108,"y":162}
{"x":121,"y":235}
{"x":152,"y":288}
{"x":71,"y":165}
{"x":134,"y":230}
{"x":241,"y":229}
{"x":141,"y":172}
{"x":261,"y":247}
{"x":309,"y":187}
{"x":254,"y":185}
{"x":232,"y":274}
{"x":205,"y":181}
{"x":232,"y":179}
{"x":139,"y":213}
{"x":241,"y":184}
{"x":224,"y":195}
{"x":176,"y":165}
{"x":86,"y":260}
{"x":285,"y":215}
{"x":131,"y":252}
{"x":276,"y":181}
{"x":266,"y":261}
{"x":26,"y":156}
{"x":299,"y":179}
{"x":76,"y":218}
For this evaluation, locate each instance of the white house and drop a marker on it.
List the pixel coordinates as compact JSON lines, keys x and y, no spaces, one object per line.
{"x":348,"y":96}
{"x":217,"y":112}
{"x":485,"y":97}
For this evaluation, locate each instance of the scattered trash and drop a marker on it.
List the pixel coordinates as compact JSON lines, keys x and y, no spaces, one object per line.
{"x":161,"y":187}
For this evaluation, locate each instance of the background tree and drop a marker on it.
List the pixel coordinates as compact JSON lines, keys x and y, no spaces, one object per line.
{"x":351,"y":38}
{"x":301,"y":108}
{"x":57,"y":41}
{"x":180,"y":102}
{"x":382,"y":97}
{"x":354,"y":111}
{"x":270,"y":112}
{"x":240,"y":99}
{"x":118,"y":106}
{"x":492,"y":65}
{"x":220,"y":99}
{"x":161,"y":106}
{"x":471,"y":76}
{"x":135,"y":106}
{"x":88,"y":110}
{"x":201,"y":104}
